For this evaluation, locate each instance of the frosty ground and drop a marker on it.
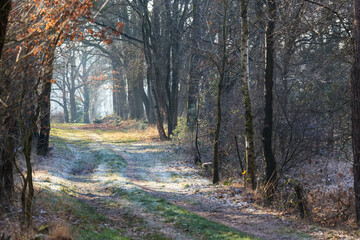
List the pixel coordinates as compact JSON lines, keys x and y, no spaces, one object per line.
{"x":105,"y":184}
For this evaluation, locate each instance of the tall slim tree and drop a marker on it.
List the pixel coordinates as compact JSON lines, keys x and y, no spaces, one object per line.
{"x":249,"y":126}
{"x":5,"y":7}
{"x":355,"y":108}
{"x":194,"y":71}
{"x":7,"y":156}
{"x":270,"y":163}
{"x":44,"y":102}
{"x":222,"y":71}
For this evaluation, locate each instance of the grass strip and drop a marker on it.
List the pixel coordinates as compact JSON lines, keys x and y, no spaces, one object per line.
{"x":190,"y":223}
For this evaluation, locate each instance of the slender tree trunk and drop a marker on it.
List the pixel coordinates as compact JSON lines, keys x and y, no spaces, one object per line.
{"x":73,"y":110}
{"x":27,"y":194}
{"x":152,"y":71}
{"x":7,"y":161}
{"x":7,"y":153}
{"x":139,"y":108}
{"x":5,"y":7}
{"x":43,"y":140}
{"x":216,"y":174}
{"x":355,"y":108}
{"x":116,"y":91}
{"x":86,"y":104}
{"x":72,"y":100}
{"x":66,"y":111}
{"x":194,"y":78}
{"x":174,"y":96}
{"x":249,"y":126}
{"x":131,"y":100}
{"x":86,"y":91}
{"x":270,"y":163}
{"x":119,"y":90}
{"x":175,"y":69}
{"x":158,"y":112}
{"x":44,"y":101}
{"x":151,"y":115}
{"x":145,"y":100}
{"x":194,"y":72}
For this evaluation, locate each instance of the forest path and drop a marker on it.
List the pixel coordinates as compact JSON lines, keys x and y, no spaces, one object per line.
{"x":148,"y":184}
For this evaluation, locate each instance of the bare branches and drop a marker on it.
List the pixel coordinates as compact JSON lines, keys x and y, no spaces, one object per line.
{"x":341,"y":19}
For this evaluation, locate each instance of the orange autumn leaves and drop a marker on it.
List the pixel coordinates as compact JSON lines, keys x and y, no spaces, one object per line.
{"x":39,"y":25}
{"x":107,"y":34}
{"x":36,"y":27}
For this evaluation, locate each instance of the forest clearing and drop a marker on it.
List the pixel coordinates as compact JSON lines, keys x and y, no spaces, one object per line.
{"x":106,"y":184}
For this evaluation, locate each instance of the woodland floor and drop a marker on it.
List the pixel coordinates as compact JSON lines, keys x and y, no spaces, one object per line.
{"x":107,"y":184}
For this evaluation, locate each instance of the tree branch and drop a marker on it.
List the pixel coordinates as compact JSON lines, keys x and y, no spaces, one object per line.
{"x":334,"y":12}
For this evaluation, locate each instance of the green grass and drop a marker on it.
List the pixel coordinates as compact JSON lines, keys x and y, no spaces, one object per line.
{"x":89,"y":222}
{"x":194,"y":225}
{"x":90,"y":156}
{"x":113,"y":160}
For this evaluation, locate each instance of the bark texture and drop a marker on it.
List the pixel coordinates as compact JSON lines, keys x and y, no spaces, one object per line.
{"x":222,"y":65}
{"x":270,"y":163}
{"x":249,"y":126}
{"x":44,"y":102}
{"x":355,"y":108}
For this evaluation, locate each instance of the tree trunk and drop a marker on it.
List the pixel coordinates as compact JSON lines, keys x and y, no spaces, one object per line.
{"x":86,"y":104}
{"x":145,"y":100}
{"x":43,"y":140}
{"x":151,"y":115}
{"x":115,"y":89}
{"x":7,"y":153}
{"x":249,"y":126}
{"x":131,"y":100}
{"x":73,"y":111}
{"x":270,"y":163}
{"x":158,"y":112}
{"x":119,"y":90}
{"x":175,"y":68}
{"x":139,"y":108}
{"x":73,"y":75}
{"x":174,"y":96}
{"x":152,"y":71}
{"x":194,"y":72}
{"x":86,"y":91}
{"x":7,"y":161}
{"x":216,"y":174}
{"x":66,"y":111}
{"x":355,"y":108}
{"x":5,"y":7}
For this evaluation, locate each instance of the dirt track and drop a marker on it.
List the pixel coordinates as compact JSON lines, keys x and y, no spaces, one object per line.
{"x":155,"y":168}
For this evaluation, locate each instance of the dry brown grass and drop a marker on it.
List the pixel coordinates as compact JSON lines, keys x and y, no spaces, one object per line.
{"x":148,"y":134}
{"x":60,"y":232}
{"x":122,"y":132}
{"x":11,"y":229}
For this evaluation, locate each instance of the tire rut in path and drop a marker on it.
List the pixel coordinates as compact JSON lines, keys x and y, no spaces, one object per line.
{"x":159,"y":184}
{"x":146,"y":171}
